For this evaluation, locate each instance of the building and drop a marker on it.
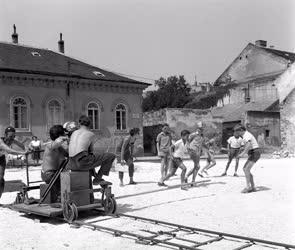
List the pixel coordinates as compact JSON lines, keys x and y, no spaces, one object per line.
{"x":286,"y":91}
{"x":252,"y":97}
{"x":40,"y":87}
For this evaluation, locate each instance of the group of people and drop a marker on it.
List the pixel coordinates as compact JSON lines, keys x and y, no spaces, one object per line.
{"x":76,"y":142}
{"x":195,"y":144}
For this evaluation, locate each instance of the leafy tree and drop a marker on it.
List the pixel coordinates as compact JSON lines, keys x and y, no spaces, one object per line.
{"x":173,"y":92}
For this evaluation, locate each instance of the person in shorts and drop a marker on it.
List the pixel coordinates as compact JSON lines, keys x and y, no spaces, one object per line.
{"x":5,"y":148}
{"x":126,"y":155}
{"x":208,"y":150}
{"x":252,"y":147}
{"x":234,"y":145}
{"x":194,"y":148}
{"x":164,"y":142}
{"x":178,"y":151}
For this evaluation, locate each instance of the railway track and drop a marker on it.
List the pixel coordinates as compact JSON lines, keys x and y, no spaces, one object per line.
{"x":155,"y":232}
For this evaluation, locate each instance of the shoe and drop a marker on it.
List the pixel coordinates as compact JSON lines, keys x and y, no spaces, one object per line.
{"x":248,"y":190}
{"x":184,"y":188}
{"x":236,"y":175}
{"x":224,"y":174}
{"x":121,"y":185}
{"x":162,"y":184}
{"x":201,"y":175}
{"x":132,"y":183}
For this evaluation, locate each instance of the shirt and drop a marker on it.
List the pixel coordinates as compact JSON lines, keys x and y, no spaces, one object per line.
{"x":164,"y":141}
{"x":179,"y":149}
{"x":235,"y":142}
{"x":248,"y":137}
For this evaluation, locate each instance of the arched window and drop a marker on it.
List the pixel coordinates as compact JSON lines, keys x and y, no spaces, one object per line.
{"x":20,"y":113}
{"x":54,"y":113}
{"x":120,"y":113}
{"x":93,"y":113}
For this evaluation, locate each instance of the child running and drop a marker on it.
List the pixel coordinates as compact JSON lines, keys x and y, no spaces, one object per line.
{"x":252,"y":147}
{"x":234,"y":144}
{"x":194,"y":148}
{"x":177,"y":153}
{"x":209,"y":153}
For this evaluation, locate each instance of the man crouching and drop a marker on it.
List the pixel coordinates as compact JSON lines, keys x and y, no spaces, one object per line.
{"x":81,"y":152}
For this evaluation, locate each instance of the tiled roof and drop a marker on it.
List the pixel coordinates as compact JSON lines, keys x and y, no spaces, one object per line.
{"x":25,"y":59}
{"x":285,"y":54}
{"x":235,"y":112}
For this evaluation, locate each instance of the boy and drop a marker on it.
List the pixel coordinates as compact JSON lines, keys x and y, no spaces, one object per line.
{"x":126,"y":153}
{"x":55,"y":152}
{"x":164,"y":142}
{"x":252,"y":147}
{"x":234,"y":144}
{"x":5,"y":147}
{"x":177,"y":152}
{"x":209,"y":152}
{"x":194,"y":148}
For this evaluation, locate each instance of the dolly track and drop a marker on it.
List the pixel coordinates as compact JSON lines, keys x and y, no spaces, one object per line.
{"x":216,"y":236}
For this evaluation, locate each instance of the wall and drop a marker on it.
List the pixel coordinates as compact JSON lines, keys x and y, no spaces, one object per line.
{"x":41,"y":90}
{"x":178,"y":120}
{"x":258,"y":91}
{"x":288,"y":122}
{"x":265,"y":126}
{"x":252,"y":62}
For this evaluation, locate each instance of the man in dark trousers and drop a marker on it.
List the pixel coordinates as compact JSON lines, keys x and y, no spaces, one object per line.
{"x":5,"y":148}
{"x":81,"y":152}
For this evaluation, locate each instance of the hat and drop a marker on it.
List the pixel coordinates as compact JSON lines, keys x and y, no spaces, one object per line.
{"x":70,"y":126}
{"x":9,"y":129}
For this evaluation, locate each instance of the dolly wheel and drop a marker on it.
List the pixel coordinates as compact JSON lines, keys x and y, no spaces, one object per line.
{"x":70,"y":212}
{"x":110,"y":205}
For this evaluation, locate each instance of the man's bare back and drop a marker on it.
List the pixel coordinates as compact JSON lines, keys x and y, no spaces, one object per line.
{"x":81,"y":140}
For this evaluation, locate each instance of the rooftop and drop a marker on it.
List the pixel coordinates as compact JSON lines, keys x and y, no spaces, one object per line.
{"x":26,"y":59}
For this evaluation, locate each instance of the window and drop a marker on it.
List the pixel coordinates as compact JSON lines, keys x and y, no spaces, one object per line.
{"x":267,"y":133}
{"x":98,"y":73}
{"x":35,"y":53}
{"x":121,"y":117}
{"x":93,"y":113}
{"x":54,"y":113}
{"x":20,"y":113}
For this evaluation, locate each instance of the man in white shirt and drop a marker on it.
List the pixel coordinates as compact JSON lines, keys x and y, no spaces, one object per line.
{"x":234,"y":145}
{"x":177,"y":151}
{"x":252,"y":147}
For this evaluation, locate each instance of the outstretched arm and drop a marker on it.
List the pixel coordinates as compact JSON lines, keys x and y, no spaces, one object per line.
{"x":19,"y":144}
{"x":9,"y":150}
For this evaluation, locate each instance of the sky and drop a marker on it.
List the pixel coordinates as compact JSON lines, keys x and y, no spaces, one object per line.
{"x":152,"y":38}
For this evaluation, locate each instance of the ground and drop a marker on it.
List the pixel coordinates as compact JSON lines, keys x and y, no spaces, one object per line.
{"x":217,"y":205}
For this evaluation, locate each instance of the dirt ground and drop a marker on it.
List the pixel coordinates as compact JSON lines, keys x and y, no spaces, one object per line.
{"x":217,"y":205}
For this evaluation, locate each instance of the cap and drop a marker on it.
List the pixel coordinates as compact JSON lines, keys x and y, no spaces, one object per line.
{"x":9,"y":129}
{"x":70,"y":126}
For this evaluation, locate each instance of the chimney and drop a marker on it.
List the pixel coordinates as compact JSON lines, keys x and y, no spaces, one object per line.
{"x":261,"y":43}
{"x":14,"y":36}
{"x":61,"y":44}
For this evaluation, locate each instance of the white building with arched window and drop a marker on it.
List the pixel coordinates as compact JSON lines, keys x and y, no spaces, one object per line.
{"x":40,"y":88}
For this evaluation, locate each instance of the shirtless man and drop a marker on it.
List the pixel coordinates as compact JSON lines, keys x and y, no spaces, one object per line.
{"x":81,"y":152}
{"x":5,"y":143}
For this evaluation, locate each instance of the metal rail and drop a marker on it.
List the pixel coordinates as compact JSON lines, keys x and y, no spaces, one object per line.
{"x":171,"y":234}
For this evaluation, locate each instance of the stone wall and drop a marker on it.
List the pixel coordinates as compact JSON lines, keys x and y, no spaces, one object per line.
{"x":288,"y":122}
{"x":265,"y":126}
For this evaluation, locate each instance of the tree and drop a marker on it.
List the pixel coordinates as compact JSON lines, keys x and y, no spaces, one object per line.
{"x":173,"y":92}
